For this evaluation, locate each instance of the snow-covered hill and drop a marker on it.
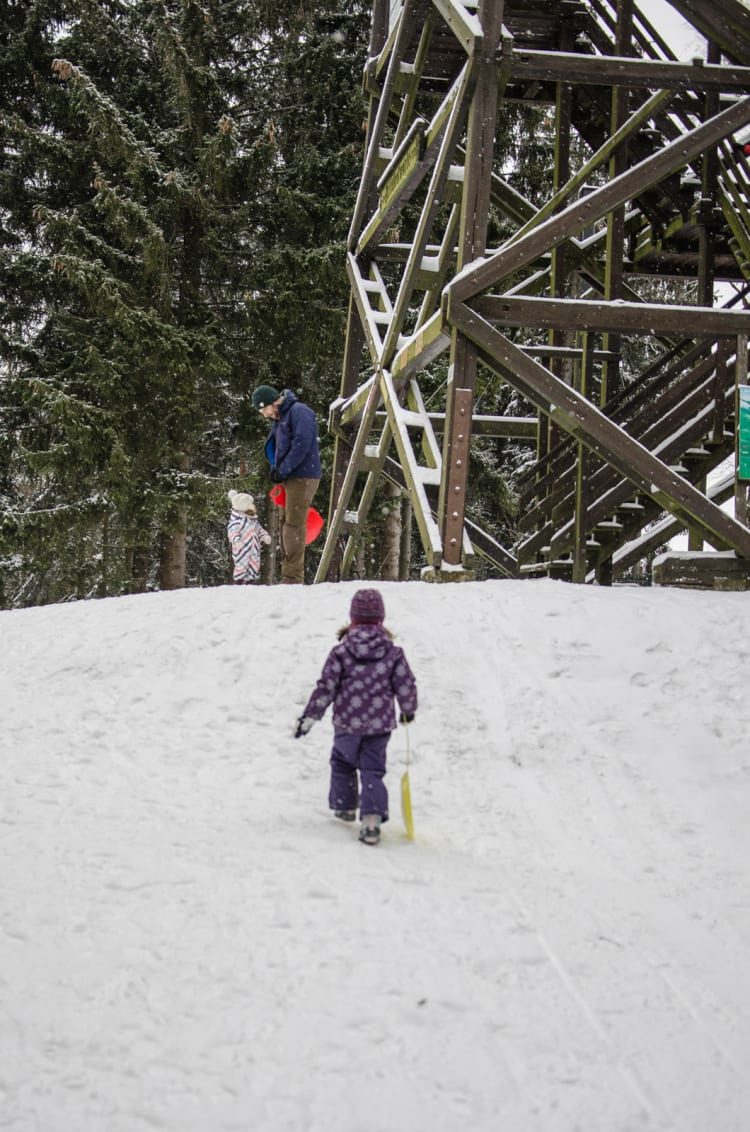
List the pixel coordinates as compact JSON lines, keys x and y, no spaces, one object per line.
{"x":189,"y":942}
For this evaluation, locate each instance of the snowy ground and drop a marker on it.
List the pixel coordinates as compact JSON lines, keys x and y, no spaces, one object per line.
{"x":189,"y":942}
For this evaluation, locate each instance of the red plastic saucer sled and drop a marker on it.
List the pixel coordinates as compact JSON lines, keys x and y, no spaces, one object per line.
{"x":315,"y":520}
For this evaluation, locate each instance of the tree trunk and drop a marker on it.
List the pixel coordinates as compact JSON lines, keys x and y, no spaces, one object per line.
{"x":141,"y":564}
{"x":173,"y":543}
{"x":389,"y":568}
{"x":406,"y":520}
{"x":173,"y":555}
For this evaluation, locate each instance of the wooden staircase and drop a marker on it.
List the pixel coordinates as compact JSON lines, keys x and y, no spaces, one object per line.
{"x":684,"y":415}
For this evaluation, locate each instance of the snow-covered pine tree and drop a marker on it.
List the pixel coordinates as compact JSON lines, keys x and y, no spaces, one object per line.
{"x":173,"y":202}
{"x":130,"y":185}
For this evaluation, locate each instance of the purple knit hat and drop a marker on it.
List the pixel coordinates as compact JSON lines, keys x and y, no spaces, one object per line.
{"x":367,"y":608}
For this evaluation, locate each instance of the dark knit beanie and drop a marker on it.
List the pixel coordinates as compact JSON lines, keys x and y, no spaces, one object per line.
{"x":367,"y":608}
{"x":265,"y":395}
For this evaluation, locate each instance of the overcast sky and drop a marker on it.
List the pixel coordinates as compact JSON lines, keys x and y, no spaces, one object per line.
{"x":678,"y":33}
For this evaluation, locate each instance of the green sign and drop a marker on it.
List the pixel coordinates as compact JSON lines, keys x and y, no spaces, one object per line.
{"x":743,"y":470}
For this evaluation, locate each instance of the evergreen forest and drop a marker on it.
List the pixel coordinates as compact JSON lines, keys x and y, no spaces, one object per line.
{"x":176,"y":186}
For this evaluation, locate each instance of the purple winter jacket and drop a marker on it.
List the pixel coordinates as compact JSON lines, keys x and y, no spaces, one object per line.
{"x":360,"y":677}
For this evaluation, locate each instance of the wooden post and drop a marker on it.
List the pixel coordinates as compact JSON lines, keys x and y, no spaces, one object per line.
{"x":472,"y":244}
{"x":355,"y":338}
{"x":708,"y":204}
{"x":558,"y":264}
{"x":391,"y":544}
{"x":582,"y":482}
{"x":740,"y":486}
{"x":613,"y":277}
{"x":406,"y":521}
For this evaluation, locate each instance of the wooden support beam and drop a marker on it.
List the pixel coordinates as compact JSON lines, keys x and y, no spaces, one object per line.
{"x":625,"y":318}
{"x":511,"y":258}
{"x":488,"y":428}
{"x":635,"y":122}
{"x":614,"y":255}
{"x":582,"y":478}
{"x":430,"y":340}
{"x":355,"y":339}
{"x":457,"y":476}
{"x":405,"y":168}
{"x":741,"y":379}
{"x":463,"y":23}
{"x":633,"y":73}
{"x":726,"y":22}
{"x":472,"y":244}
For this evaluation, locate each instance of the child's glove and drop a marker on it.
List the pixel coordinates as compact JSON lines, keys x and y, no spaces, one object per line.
{"x":276,"y":476}
{"x":304,"y":723}
{"x":406,"y":717}
{"x":266,"y":540}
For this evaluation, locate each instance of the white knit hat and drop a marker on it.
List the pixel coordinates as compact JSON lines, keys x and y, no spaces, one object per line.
{"x":242,"y":501}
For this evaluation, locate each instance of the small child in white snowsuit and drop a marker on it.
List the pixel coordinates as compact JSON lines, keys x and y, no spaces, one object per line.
{"x":246,"y":536}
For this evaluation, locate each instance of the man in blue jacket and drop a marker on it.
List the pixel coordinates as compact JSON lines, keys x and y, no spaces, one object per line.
{"x":292,"y":450}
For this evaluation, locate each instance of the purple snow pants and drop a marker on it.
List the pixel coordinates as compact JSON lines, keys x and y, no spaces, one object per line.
{"x":366,"y":754}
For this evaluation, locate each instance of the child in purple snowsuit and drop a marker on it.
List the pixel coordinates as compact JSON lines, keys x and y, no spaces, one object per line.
{"x":361,"y":677}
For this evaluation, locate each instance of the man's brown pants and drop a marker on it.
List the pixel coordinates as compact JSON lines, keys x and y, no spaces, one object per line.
{"x":299,"y":496}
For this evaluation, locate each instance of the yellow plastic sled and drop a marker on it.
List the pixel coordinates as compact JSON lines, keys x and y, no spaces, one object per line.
{"x":406,"y":810}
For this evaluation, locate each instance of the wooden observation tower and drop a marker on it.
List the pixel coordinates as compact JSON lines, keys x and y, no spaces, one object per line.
{"x":650,"y":180}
